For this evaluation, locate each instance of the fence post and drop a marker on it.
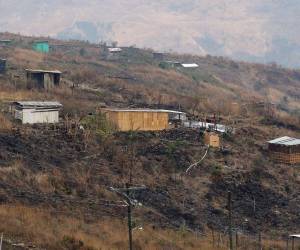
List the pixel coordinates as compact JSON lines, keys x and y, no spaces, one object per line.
{"x":213,"y":237}
{"x":230,"y":220}
{"x":1,"y":240}
{"x":259,"y":241}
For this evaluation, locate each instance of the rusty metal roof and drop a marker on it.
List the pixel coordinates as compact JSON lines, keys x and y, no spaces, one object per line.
{"x":144,"y":110}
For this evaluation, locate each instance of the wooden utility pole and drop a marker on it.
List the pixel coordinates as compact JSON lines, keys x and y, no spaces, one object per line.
{"x":259,"y":241}
{"x":236,"y":239}
{"x":129,"y":217}
{"x":230,"y":220}
{"x":1,"y":241}
{"x":125,"y":193}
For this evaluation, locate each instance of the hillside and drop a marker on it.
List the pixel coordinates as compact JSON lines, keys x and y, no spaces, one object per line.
{"x":260,"y":31}
{"x":55,"y":179}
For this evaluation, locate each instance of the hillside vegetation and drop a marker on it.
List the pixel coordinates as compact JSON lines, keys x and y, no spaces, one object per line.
{"x":55,"y":179}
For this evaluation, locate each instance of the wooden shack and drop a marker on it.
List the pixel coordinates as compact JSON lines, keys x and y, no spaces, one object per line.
{"x":42,"y":79}
{"x":212,"y":139}
{"x":285,"y":150}
{"x":139,"y":119}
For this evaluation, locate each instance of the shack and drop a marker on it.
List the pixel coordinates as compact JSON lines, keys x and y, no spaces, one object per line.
{"x":4,"y":43}
{"x":42,"y":79}
{"x":285,"y":150}
{"x":141,"y":119}
{"x":41,"y":46}
{"x":189,"y":65}
{"x":220,"y":128}
{"x":36,"y":112}
{"x":293,"y":238}
{"x":114,"y":53}
{"x":114,"y":50}
{"x":2,"y":66}
{"x":212,"y":139}
{"x":158,"y":56}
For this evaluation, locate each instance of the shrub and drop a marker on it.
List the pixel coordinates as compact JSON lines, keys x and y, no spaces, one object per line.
{"x":5,"y":124}
{"x":216,"y":173}
{"x":98,"y":124}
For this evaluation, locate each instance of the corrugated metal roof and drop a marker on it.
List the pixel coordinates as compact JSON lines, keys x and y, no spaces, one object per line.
{"x":41,"y":41}
{"x":295,"y":235}
{"x":173,"y":62}
{"x":144,"y":110}
{"x":285,"y":140}
{"x":38,"y":104}
{"x":114,"y":49}
{"x":190,"y":65}
{"x":196,"y":124}
{"x":43,"y":71}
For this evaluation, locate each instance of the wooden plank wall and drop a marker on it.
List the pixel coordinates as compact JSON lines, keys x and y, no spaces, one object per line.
{"x":212,"y":139}
{"x":143,"y":121}
{"x":287,"y":158}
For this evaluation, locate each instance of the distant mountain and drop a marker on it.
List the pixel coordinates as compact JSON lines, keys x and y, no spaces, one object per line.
{"x":262,"y":31}
{"x":83,"y":30}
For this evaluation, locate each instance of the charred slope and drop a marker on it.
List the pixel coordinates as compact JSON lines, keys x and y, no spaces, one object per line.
{"x":54,"y":168}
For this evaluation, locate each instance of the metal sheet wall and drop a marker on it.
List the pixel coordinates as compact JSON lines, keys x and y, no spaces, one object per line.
{"x":31,"y":116}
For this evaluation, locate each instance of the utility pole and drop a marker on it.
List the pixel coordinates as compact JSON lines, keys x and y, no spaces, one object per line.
{"x":259,"y":241}
{"x":1,"y":240}
{"x":129,"y":217}
{"x":236,"y":239}
{"x":125,"y":193}
{"x":230,"y":220}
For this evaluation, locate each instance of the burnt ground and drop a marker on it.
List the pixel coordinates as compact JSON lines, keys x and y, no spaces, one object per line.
{"x":65,"y":171}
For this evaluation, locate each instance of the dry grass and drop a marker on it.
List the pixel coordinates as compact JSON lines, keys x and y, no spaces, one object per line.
{"x":27,"y":57}
{"x":50,"y":230}
{"x":10,"y":95}
{"x":5,"y":123}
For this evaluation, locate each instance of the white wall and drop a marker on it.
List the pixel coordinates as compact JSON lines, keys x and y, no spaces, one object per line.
{"x":31,"y":116}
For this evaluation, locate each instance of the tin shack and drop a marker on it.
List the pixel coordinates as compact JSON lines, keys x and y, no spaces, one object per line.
{"x":42,"y":79}
{"x":285,"y":150}
{"x":32,"y":112}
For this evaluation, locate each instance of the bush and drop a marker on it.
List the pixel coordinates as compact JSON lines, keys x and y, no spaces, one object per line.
{"x":164,"y":65}
{"x":5,"y":124}
{"x":71,"y":243}
{"x":216,"y":173}
{"x":98,"y":124}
